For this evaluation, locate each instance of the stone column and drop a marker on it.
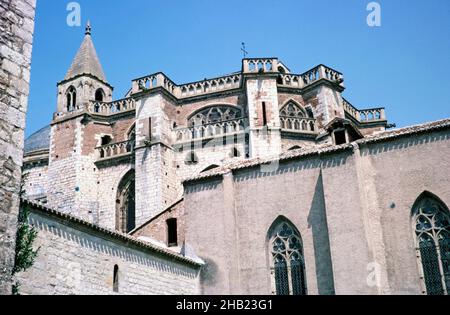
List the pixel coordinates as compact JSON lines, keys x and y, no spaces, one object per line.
{"x":16,"y":36}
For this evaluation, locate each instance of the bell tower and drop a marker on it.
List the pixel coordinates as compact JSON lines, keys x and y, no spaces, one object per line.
{"x":85,"y":81}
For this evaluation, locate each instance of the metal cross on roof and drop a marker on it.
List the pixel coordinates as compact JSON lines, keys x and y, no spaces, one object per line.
{"x":244,"y":50}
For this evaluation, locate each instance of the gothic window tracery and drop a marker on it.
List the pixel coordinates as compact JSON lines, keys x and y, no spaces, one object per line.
{"x":432,"y":229}
{"x":292,"y":110}
{"x":215,"y":114}
{"x":288,"y":265}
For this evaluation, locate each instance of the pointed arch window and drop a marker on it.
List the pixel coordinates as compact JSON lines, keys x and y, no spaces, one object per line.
{"x":125,"y":204}
{"x":288,"y":264}
{"x":131,"y":136}
{"x":99,"y":95}
{"x":296,"y":118}
{"x":71,"y":96}
{"x":292,"y":110}
{"x":432,"y":231}
{"x":215,"y":114}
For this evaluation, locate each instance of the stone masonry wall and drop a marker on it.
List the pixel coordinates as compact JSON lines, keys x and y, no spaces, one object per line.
{"x":64,"y":152}
{"x":352,"y":208}
{"x":80,"y":261}
{"x":157,"y":227}
{"x":108,"y":177}
{"x":16,"y":36}
{"x":35,"y":183}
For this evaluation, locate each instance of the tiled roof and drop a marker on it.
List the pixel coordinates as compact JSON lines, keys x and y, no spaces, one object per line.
{"x":325,"y":149}
{"x":407,"y":131}
{"x":114,"y":234}
{"x":86,"y":61}
{"x":38,"y":141}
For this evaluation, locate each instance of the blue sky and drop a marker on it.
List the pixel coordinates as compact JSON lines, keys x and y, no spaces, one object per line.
{"x":404,"y":65}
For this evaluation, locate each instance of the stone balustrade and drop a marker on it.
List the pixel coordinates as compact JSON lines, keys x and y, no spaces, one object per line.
{"x":351,"y":110}
{"x":209,"y":86}
{"x":303,"y":125}
{"x":309,"y":77}
{"x":115,"y":149}
{"x":234,"y":81}
{"x":365,"y":115}
{"x":223,"y":128}
{"x":187,"y":90}
{"x":111,"y":108}
{"x":260,"y":65}
{"x":153,"y":81}
{"x":374,"y":114}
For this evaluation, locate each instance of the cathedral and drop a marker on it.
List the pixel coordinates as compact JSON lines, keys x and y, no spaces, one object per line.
{"x":262,"y":182}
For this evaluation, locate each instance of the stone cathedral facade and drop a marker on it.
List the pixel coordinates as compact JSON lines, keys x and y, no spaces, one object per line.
{"x":262,"y":181}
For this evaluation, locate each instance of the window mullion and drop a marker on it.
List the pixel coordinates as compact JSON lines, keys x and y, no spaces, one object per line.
{"x":289,"y":272}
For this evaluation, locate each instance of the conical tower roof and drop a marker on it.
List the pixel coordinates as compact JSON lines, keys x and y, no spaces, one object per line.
{"x":86,"y":61}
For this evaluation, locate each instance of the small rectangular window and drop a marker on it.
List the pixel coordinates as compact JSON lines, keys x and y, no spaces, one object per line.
{"x":106,"y":140}
{"x":116,"y":279}
{"x":172,"y":233}
{"x":150,"y":129}
{"x":264,"y":112}
{"x":340,"y":137}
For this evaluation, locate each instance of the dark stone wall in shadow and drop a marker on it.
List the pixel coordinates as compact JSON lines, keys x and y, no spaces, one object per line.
{"x":317,"y":220}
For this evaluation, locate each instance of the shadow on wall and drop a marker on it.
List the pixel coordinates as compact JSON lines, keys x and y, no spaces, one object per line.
{"x":317,"y":220}
{"x":399,"y":144}
{"x":208,"y":274}
{"x":108,"y":248}
{"x":211,"y":184}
